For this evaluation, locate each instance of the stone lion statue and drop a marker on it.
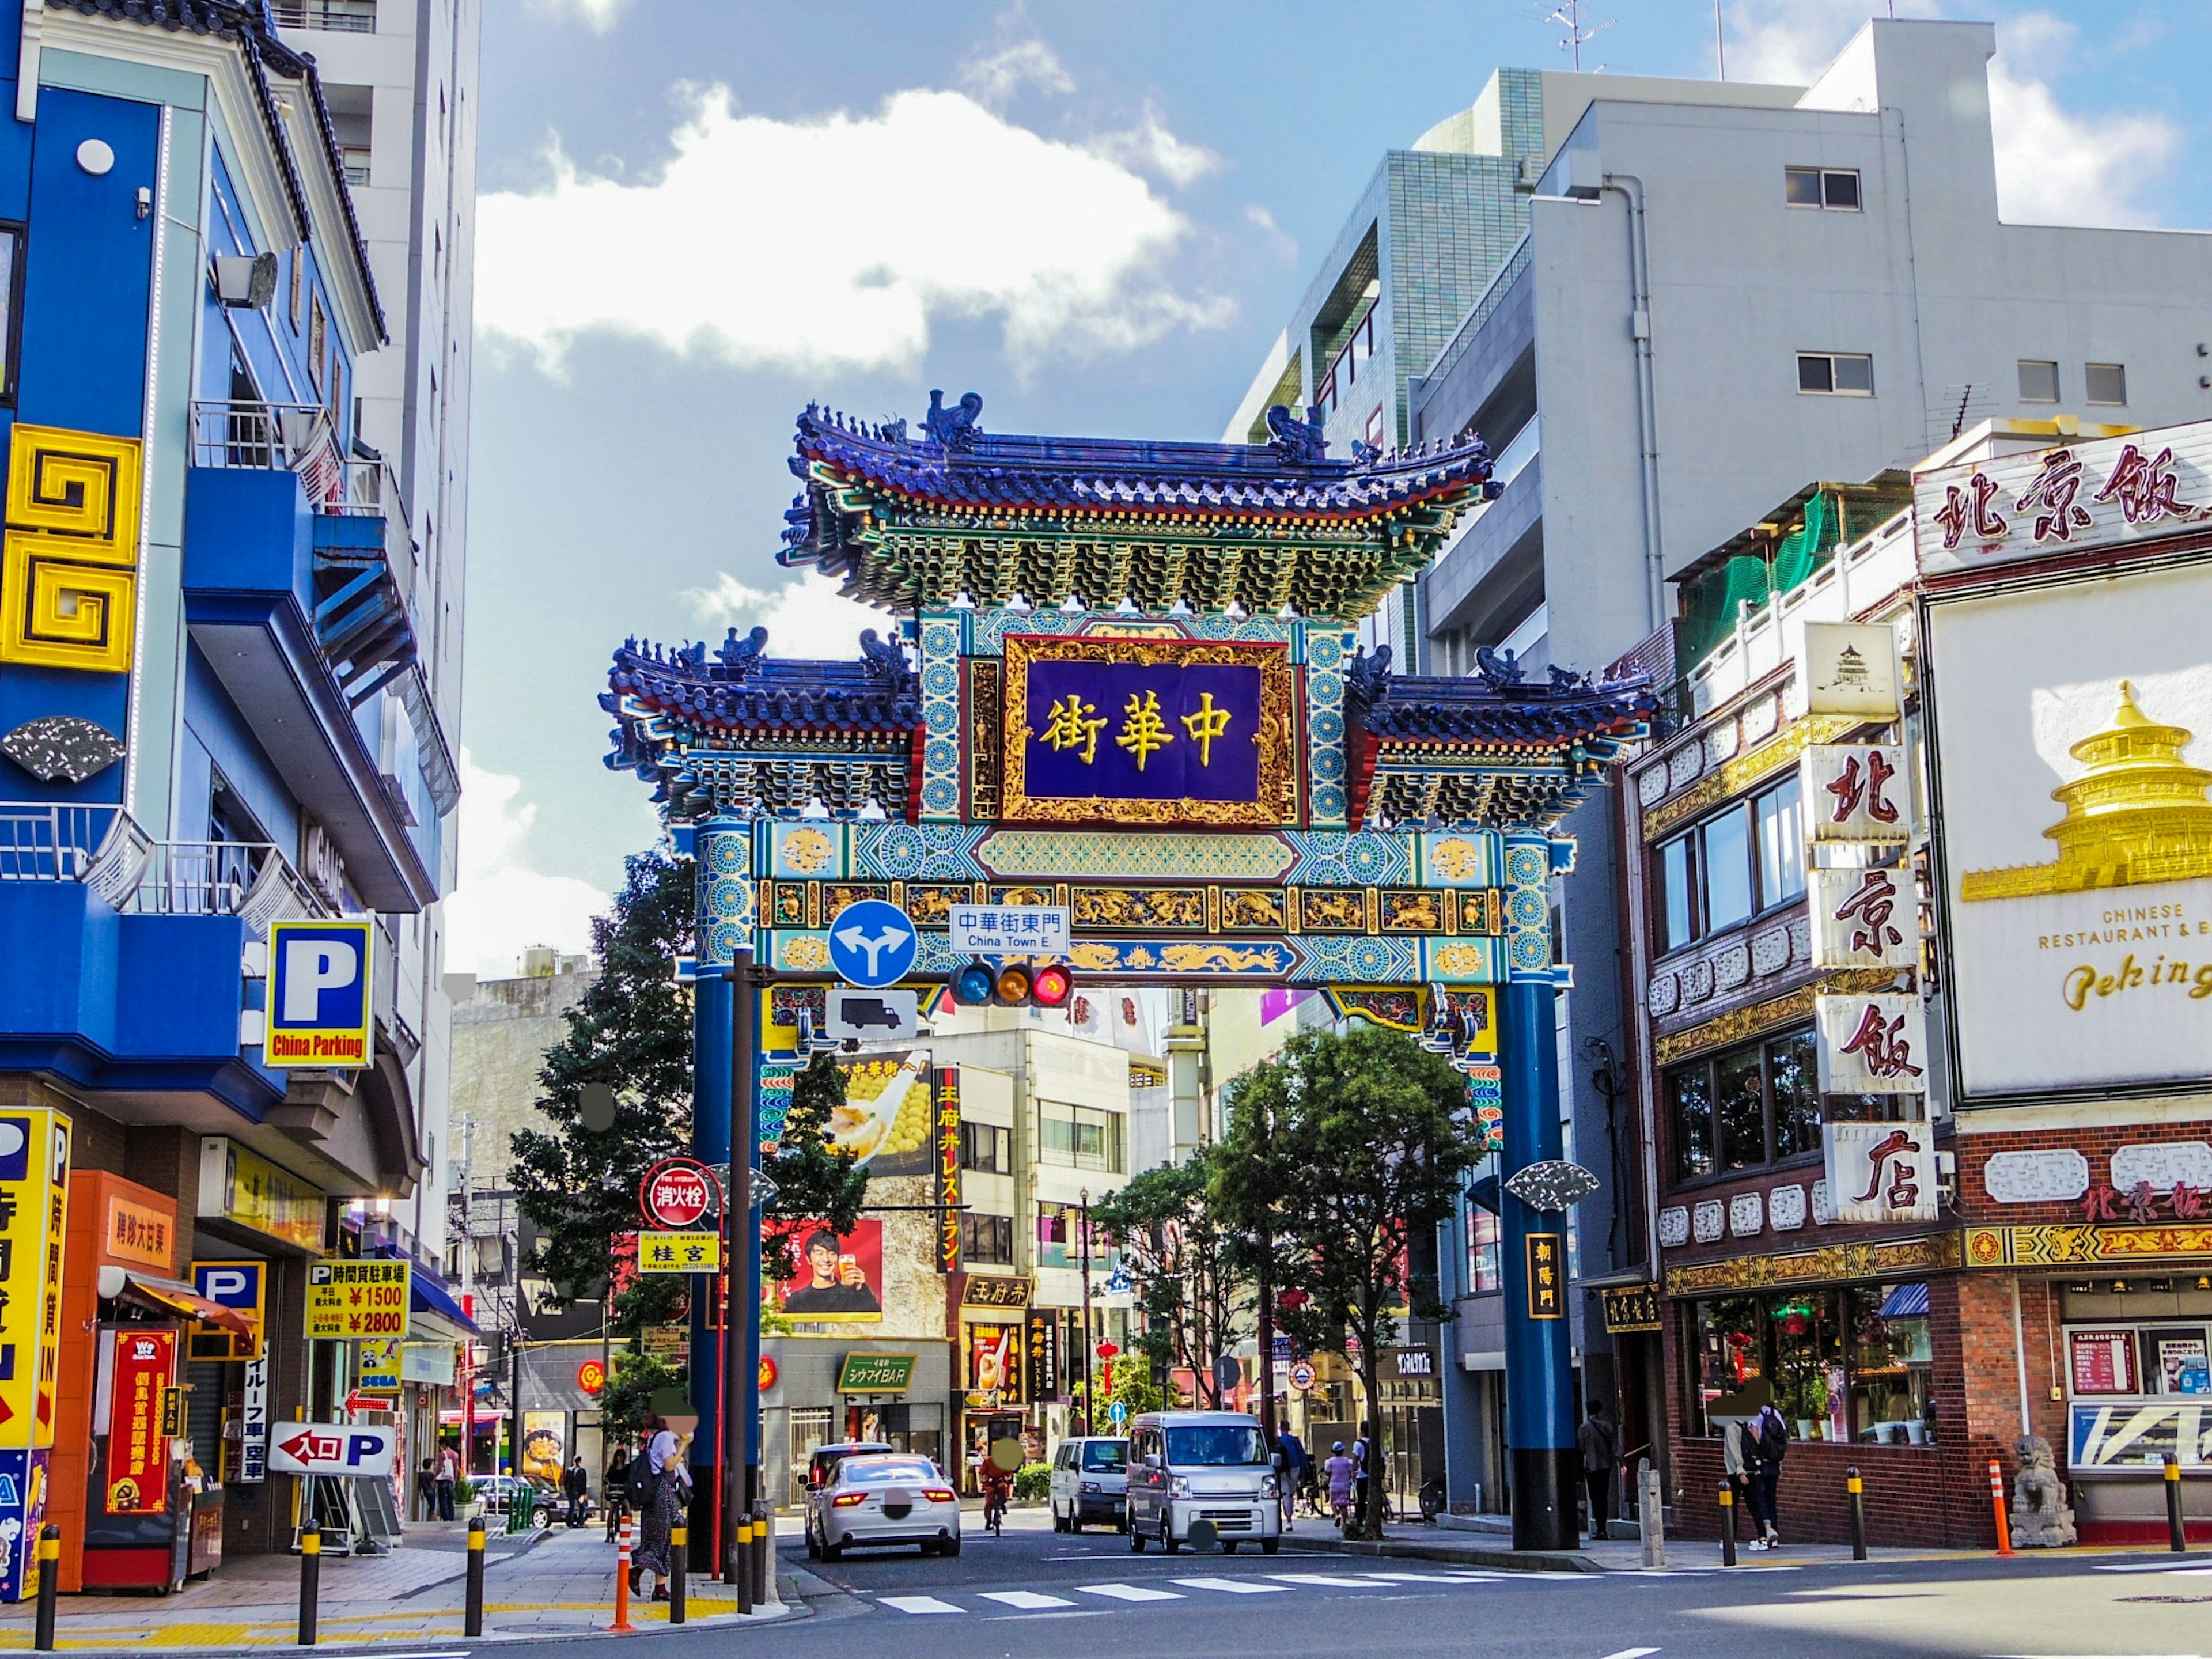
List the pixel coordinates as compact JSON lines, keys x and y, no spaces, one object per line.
{"x":2040,"y":1517}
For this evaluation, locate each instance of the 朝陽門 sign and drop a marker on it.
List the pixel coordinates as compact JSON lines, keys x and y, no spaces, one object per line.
{"x":348,"y":1300}
{"x":876,"y":1373}
{"x":679,"y":1253}
{"x":1548,"y":1277}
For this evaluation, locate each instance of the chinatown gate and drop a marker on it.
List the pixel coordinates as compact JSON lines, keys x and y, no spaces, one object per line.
{"x":1123,"y":680}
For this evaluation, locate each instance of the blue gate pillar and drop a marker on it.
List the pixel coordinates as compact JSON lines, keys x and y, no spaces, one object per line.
{"x":1540,"y":1416}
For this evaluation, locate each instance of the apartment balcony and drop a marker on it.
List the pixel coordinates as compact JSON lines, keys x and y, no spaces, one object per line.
{"x":300,"y":582}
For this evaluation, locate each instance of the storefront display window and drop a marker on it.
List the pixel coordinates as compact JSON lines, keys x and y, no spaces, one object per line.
{"x":1790,"y":1347}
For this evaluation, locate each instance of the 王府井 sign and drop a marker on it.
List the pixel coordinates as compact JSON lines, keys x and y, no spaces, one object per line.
{"x":348,"y":1300}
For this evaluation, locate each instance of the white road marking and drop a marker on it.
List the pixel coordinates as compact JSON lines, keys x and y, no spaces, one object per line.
{"x":1027,"y":1599}
{"x":1457,"y":1578}
{"x":1129,"y":1593}
{"x":1323,"y":1579}
{"x":1631,"y":1653}
{"x":919,"y":1604}
{"x":1235,"y":1586}
{"x":2184,"y":1564}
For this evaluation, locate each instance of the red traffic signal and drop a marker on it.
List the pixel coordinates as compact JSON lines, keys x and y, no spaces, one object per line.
{"x":1051,"y":985}
{"x":1014,"y":985}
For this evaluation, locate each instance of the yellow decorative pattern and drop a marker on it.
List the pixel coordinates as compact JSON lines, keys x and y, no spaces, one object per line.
{"x":1734,"y":776}
{"x":69,"y":586}
{"x":2138,"y":814}
{"x":2081,"y":1245}
{"x":1112,"y":854}
{"x":1930,"y":1253}
{"x":1751,"y":1019}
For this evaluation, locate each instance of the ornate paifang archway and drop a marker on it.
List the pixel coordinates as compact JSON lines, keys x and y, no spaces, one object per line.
{"x":1125,"y":680}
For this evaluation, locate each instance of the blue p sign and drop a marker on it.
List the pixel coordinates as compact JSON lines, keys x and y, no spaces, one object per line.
{"x":319,"y":994}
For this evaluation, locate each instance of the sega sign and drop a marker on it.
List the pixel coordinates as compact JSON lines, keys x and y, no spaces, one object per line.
{"x":319,"y":1007}
{"x":343,"y":1449}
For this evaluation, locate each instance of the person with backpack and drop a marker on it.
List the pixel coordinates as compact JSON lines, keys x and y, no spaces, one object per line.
{"x":1769,"y":1439}
{"x":1601,"y":1455}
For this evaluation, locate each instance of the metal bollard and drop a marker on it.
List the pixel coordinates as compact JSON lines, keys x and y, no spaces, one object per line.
{"x":2176,"y":1538}
{"x":622,"y":1625}
{"x":679,"y":1570}
{"x":764,"y":1555}
{"x":1728,"y":1522}
{"x":1856,"y":1488}
{"x":1997,"y":1499}
{"x":50,"y":1585}
{"x":472,"y":1613}
{"x":311,"y":1576}
{"x":1653,"y":1519}
{"x":744,"y":1559}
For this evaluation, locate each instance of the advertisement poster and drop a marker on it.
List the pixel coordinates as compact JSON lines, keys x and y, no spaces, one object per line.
{"x":348,"y":1300}
{"x":2104,"y":1361}
{"x":34,"y":1165}
{"x":138,"y":1451}
{"x":2183,"y":1367}
{"x":23,"y":1511}
{"x":2074,"y":743}
{"x":542,"y":1453}
{"x":994,"y":1363}
{"x":840,"y":1278}
{"x":885,"y":1121}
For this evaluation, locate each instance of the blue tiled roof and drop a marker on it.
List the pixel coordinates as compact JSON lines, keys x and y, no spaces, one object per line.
{"x":737,"y":687}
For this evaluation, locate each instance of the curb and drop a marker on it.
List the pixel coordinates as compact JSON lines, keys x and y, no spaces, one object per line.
{"x":1508,"y":1561}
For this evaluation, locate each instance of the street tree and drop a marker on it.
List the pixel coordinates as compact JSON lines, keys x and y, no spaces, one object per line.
{"x":1363,"y":1138}
{"x":1188,"y":1285}
{"x":631,"y":1029}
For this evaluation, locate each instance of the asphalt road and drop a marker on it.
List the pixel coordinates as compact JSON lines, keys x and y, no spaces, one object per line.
{"x":1033,"y":1594}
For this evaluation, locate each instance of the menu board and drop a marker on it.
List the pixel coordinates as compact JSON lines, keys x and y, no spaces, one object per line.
{"x":2104,"y":1362}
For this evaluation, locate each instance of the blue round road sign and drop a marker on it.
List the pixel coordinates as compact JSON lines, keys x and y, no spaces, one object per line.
{"x":1117,"y":1413}
{"x":872,"y":944}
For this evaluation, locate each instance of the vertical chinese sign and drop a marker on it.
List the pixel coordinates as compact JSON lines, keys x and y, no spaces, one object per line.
{"x":1547,"y":1275}
{"x":145,"y":1365}
{"x":948,"y":1169}
{"x":34,"y":1166}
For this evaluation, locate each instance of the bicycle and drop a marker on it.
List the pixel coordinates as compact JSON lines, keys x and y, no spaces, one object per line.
{"x":994,"y":1508}
{"x":1432,"y":1498}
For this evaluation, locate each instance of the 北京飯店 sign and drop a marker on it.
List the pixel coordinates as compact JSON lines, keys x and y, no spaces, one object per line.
{"x":1146,"y":732}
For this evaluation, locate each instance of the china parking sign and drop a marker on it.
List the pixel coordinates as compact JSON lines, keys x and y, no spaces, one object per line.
{"x":318,"y":994}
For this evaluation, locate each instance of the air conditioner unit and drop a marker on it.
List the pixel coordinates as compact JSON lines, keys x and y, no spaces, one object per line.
{"x":246,"y":280}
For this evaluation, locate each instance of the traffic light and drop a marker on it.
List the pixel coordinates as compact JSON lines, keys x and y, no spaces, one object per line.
{"x":1015,"y":985}
{"x":972,"y":984}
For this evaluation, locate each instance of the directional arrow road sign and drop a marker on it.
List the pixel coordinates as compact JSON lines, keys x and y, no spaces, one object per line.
{"x":872,"y":944}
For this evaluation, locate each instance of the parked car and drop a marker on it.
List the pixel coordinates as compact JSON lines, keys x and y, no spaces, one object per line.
{"x":1091,"y":1482}
{"x":872,"y":1499}
{"x":821,"y":1471}
{"x":1186,"y":1468}
{"x":496,"y":1493}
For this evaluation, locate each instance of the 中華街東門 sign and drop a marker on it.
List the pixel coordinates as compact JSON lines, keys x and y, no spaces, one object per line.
{"x":2073,"y":745}
{"x":349,"y":1299}
{"x":319,"y":1007}
{"x":876,"y":1373}
{"x":1159,"y":731}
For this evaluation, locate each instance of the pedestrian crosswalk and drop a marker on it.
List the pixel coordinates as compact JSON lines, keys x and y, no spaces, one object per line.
{"x":1167,"y":1589}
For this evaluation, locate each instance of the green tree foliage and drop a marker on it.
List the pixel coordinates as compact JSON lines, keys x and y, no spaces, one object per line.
{"x":1345,"y":1145}
{"x":1188,"y":1279}
{"x":814,"y":1180}
{"x":631,"y":1029}
{"x":628,"y":1396}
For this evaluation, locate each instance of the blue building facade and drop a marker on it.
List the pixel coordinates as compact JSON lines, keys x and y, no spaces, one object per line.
{"x":212,"y":715}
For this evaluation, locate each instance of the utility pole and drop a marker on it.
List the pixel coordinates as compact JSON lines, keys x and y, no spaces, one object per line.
{"x":1090,"y":1406}
{"x":510,"y":1242}
{"x":468,"y":1279}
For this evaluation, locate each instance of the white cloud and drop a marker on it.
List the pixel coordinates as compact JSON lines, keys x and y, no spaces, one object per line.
{"x":1026,"y":64}
{"x":500,"y":906}
{"x":748,"y":247}
{"x":807,"y":617}
{"x":597,"y":16}
{"x":2054,"y":165}
{"x":1149,"y":147}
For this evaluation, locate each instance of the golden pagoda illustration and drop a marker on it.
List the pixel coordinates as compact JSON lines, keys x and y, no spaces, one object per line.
{"x":2139,"y":814}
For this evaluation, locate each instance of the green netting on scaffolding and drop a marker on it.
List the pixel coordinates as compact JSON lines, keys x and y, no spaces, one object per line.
{"x":1713,"y":600}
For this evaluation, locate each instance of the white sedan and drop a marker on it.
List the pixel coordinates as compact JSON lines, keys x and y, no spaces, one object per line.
{"x":887,"y":1499}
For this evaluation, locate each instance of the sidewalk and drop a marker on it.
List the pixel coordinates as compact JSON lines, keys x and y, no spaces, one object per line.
{"x":545,"y":1585}
{"x":1411,"y":1541}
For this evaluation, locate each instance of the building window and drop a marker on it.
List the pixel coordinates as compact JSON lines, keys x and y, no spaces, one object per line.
{"x":1374,"y":427}
{"x":1841,"y":1364}
{"x":988,"y":1239}
{"x":1483,"y":1274}
{"x":1080,"y":1136}
{"x":1757,"y":1104}
{"x":2106,"y":383}
{"x":11,"y":306}
{"x":2039,"y":381}
{"x":1834,"y":188}
{"x":986,"y":1148}
{"x":1060,"y":1237}
{"x":1737,"y":864}
{"x":1836,"y":374}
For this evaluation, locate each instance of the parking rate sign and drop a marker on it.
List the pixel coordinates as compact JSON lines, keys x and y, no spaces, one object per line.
{"x":319,"y":1005}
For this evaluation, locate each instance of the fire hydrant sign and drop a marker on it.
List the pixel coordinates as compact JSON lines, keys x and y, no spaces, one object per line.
{"x":676,"y":1192}
{"x":319,"y":1007}
{"x":679,"y":1253}
{"x":348,"y":1300}
{"x":341,"y":1448}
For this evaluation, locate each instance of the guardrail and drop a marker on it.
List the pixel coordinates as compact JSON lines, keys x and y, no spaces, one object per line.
{"x":104,"y":847}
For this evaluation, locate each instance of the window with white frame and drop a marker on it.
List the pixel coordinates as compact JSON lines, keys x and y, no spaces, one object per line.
{"x":1836,"y":374}
{"x":1835,"y":189}
{"x":2039,"y":380}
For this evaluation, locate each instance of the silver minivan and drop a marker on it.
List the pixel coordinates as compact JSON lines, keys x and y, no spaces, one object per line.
{"x":1090,"y":1482}
{"x":1206,"y":1470}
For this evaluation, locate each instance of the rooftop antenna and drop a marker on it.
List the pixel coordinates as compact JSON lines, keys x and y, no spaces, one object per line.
{"x":1720,"y":41}
{"x":1568,"y":16}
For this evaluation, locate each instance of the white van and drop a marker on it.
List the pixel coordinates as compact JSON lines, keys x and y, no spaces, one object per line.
{"x":1211,"y":1468}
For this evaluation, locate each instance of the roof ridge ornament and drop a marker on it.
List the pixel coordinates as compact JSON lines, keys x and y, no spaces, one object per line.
{"x":955,"y":429}
{"x":1303,"y":443}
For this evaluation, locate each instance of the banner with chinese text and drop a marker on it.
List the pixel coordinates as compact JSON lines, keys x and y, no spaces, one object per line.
{"x":34,"y":1166}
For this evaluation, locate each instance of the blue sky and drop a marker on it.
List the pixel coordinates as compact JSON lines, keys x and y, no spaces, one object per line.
{"x":696,"y":216}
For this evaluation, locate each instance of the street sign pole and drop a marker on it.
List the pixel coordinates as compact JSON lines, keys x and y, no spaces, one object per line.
{"x":740,"y":1406}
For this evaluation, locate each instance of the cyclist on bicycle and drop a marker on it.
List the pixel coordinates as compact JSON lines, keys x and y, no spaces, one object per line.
{"x":997,"y":1492}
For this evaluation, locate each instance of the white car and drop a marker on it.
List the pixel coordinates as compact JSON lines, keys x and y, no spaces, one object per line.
{"x":821,"y":1472}
{"x":877,"y":1500}
{"x":1207,"y":1474}
{"x":1091,"y":1482}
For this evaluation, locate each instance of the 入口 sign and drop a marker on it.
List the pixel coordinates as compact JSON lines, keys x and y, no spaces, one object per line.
{"x":319,"y":1007}
{"x":1010,"y":929}
{"x":348,"y":1300}
{"x":339,"y":1449}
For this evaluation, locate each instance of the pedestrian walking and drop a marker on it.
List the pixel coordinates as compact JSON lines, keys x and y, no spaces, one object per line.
{"x":449,"y":1479}
{"x":426,"y":1490}
{"x":1599,"y":1447}
{"x":1340,"y":1472}
{"x":1293,"y":1477}
{"x":1735,"y":1464}
{"x":1769,"y":1437}
{"x":668,"y":1480}
{"x":1364,"y":1486}
{"x":616,"y":1492}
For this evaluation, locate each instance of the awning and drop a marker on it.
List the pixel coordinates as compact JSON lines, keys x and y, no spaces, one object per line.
{"x":432,"y":1297}
{"x":1906,"y":1302}
{"x":173,"y":1296}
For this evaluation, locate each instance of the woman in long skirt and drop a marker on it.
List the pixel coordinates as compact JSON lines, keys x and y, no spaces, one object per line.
{"x":672,"y":1493}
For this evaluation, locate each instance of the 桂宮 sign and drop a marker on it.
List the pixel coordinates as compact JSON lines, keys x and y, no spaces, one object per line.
{"x":679,"y":1253}
{"x":319,"y":1007}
